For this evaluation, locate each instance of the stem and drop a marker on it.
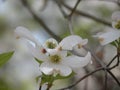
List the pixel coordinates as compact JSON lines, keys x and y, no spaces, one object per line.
{"x":98,"y":69}
{"x":40,"y":88}
{"x":49,"y":86}
{"x":113,"y":77}
{"x":70,"y":26}
{"x":78,"y":12}
{"x":106,"y":77}
{"x":74,"y":9}
{"x":112,"y":60}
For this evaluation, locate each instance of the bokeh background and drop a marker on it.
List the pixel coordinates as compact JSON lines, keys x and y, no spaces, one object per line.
{"x":20,"y":71}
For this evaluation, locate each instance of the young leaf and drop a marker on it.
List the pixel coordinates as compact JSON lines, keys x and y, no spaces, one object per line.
{"x":39,"y":61}
{"x":4,"y":57}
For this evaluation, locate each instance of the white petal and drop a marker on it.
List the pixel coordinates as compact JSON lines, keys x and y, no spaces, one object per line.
{"x":84,"y":41}
{"x":57,"y":52}
{"x":52,"y":40}
{"x":36,"y":52}
{"x":47,"y":70}
{"x":76,"y":61}
{"x":116,"y":16}
{"x":79,"y":51}
{"x":62,"y":70}
{"x":23,"y":32}
{"x":109,"y":37}
{"x":70,"y":41}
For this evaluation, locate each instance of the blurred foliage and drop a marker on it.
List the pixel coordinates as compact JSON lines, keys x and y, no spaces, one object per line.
{"x":4,"y":85}
{"x":3,"y":25}
{"x":4,"y":57}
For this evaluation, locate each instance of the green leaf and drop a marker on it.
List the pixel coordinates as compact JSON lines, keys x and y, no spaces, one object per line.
{"x":47,"y":78}
{"x":4,"y":57}
{"x":39,"y":61}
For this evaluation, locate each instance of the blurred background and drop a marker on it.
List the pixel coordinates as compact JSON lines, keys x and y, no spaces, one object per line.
{"x":40,"y":16}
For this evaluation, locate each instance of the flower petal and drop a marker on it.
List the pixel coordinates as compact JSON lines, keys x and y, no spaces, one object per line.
{"x":57,"y":52}
{"x":70,"y":41}
{"x":22,"y":32}
{"x":84,"y":41}
{"x":59,"y":68}
{"x":116,"y":16}
{"x":76,"y":61}
{"x":109,"y":37}
{"x":47,"y":70}
{"x":64,"y":70}
{"x":36,"y":52}
{"x":79,"y":51}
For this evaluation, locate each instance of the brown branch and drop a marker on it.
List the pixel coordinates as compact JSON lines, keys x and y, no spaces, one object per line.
{"x":74,"y":9}
{"x":78,"y":12}
{"x":71,"y":86}
{"x":39,"y":20}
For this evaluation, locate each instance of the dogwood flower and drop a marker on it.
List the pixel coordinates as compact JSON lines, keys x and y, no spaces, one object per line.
{"x":55,"y":60}
{"x":116,"y":20}
{"x":58,"y":62}
{"x":72,"y":43}
{"x":112,"y":35}
{"x":108,"y":37}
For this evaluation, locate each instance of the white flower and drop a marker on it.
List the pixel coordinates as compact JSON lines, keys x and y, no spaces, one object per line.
{"x":21,"y":32}
{"x":58,"y":62}
{"x":116,"y":19}
{"x":69,"y":42}
{"x":112,"y":35}
{"x":55,"y":60}
{"x":73,"y":42}
{"x":108,"y":37}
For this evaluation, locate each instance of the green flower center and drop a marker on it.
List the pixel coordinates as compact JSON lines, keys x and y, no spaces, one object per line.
{"x":117,"y":25}
{"x":55,"y":58}
{"x":51,"y":45}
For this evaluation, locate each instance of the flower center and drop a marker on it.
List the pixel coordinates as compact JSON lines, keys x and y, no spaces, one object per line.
{"x":117,"y":25}
{"x":51,"y":45}
{"x":55,"y":58}
{"x":79,"y":46}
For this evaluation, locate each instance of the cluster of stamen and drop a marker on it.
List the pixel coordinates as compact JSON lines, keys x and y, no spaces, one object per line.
{"x":51,"y":45}
{"x":117,"y":25}
{"x":55,"y":58}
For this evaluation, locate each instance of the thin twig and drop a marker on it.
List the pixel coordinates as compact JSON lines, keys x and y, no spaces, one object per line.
{"x":75,"y":7}
{"x":113,"y":77}
{"x":78,"y":12}
{"x":40,"y":88}
{"x":71,"y":86}
{"x":60,"y":7}
{"x":39,"y":20}
{"x":70,"y":25}
{"x":70,"y":17}
{"x":106,"y":77}
{"x":112,"y":60}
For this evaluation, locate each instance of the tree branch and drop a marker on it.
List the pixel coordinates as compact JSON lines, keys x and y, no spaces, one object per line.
{"x":71,"y":86}
{"x":87,"y":15}
{"x":39,"y":20}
